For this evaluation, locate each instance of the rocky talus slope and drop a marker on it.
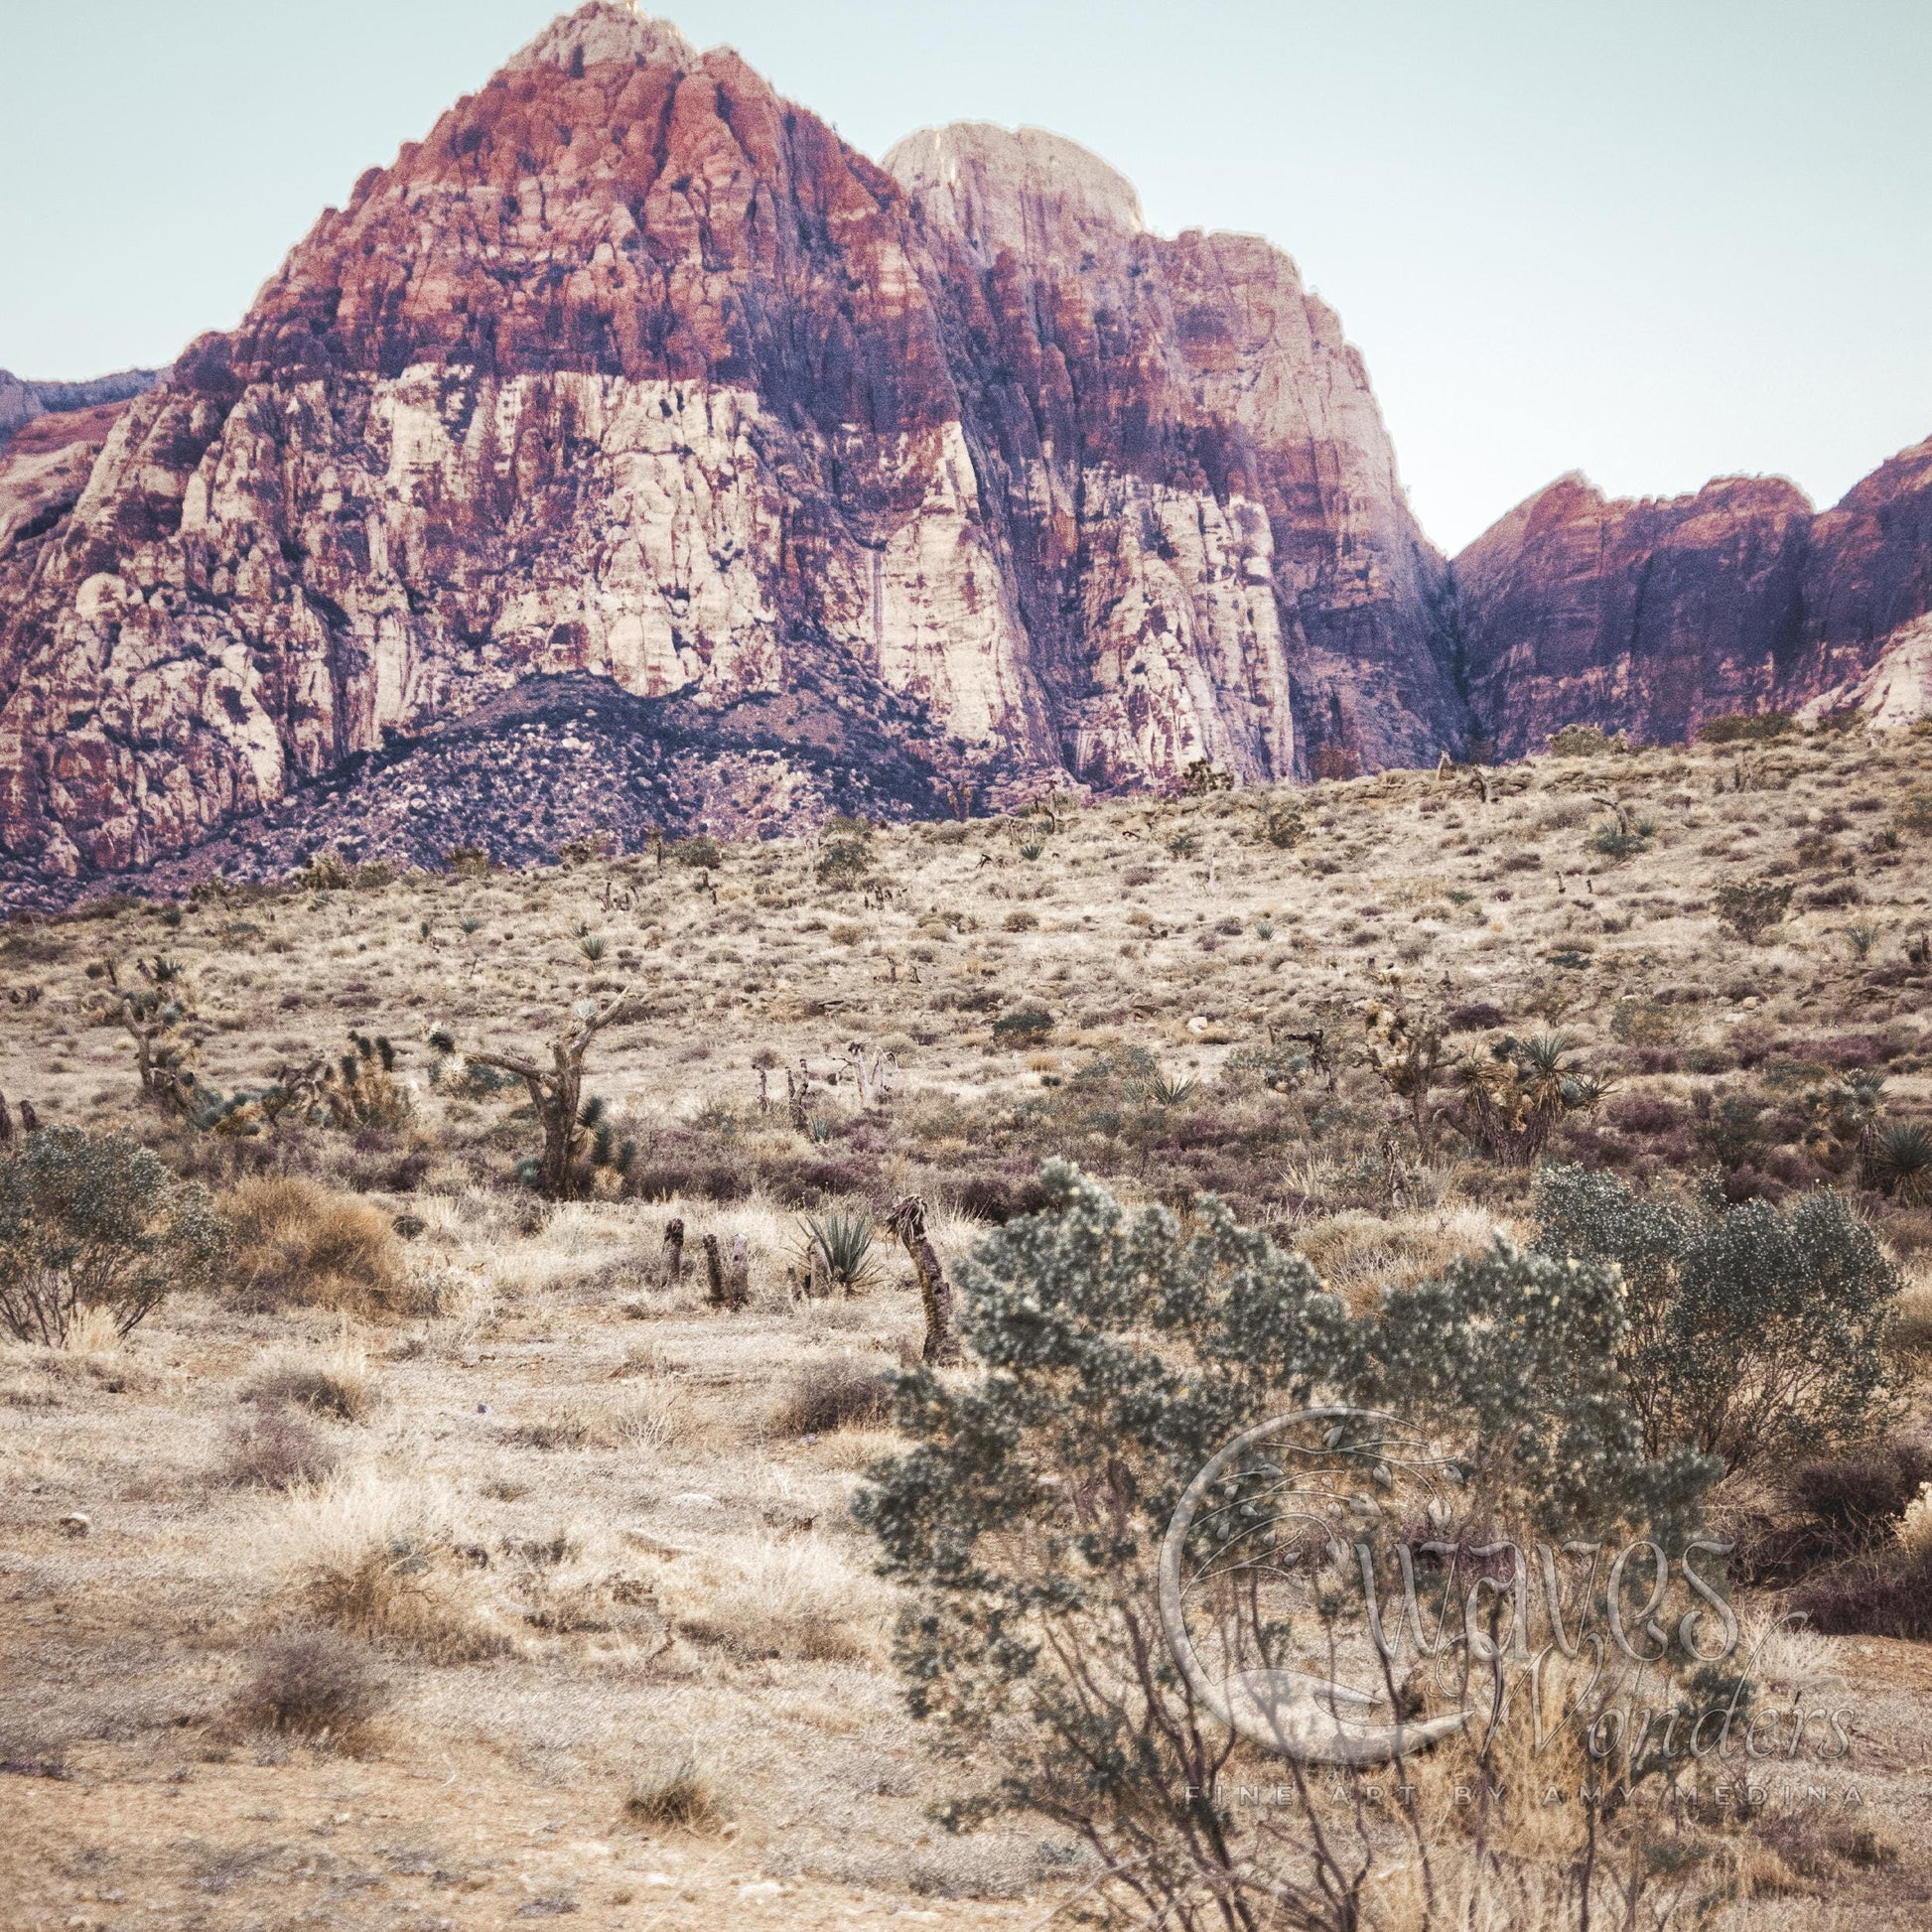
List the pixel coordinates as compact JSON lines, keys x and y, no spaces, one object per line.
{"x":1652,"y":617}
{"x":634,"y":372}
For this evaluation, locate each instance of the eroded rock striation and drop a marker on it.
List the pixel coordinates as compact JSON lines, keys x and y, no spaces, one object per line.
{"x":1652,"y":617}
{"x":633,"y":371}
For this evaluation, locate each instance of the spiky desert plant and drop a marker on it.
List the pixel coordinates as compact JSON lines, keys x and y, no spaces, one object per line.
{"x":1901,"y":1161}
{"x":1167,"y":1089}
{"x":1861,"y":938}
{"x":837,"y":1251}
{"x":150,"y":1015}
{"x":1511,"y":1097}
{"x":360,"y":1088}
{"x":1404,"y":1050}
{"x":578,"y":1137}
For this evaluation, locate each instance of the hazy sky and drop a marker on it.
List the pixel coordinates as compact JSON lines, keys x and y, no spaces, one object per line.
{"x":1653,"y":241}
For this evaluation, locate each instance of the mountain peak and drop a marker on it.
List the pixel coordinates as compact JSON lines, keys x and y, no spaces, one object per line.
{"x":603,"y":32}
{"x":1013,"y":188}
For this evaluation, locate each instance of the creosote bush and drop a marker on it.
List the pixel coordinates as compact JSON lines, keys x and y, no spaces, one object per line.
{"x":1121,"y":1349}
{"x":1754,"y":1335}
{"x":92,"y":1223}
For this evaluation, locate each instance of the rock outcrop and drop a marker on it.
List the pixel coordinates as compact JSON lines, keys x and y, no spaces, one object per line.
{"x":22,"y":402}
{"x":633,"y":371}
{"x":1652,"y":617}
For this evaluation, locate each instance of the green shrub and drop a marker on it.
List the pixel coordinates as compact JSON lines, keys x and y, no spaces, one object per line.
{"x":1121,"y":1351}
{"x":1584,"y":742}
{"x":1738,"y":727}
{"x":1751,"y":907}
{"x":700,"y":854}
{"x":1754,"y":1336}
{"x":1023,"y":1026}
{"x":88,"y":1223}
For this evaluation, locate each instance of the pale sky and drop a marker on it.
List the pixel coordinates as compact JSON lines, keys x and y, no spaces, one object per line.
{"x":1655,"y":240}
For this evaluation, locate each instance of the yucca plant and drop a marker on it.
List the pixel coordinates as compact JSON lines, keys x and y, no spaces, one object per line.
{"x":1167,"y":1089}
{"x":1901,"y":1161}
{"x":837,"y":1251}
{"x":1032,"y":846}
{"x":592,"y":945}
{"x":1861,"y":939}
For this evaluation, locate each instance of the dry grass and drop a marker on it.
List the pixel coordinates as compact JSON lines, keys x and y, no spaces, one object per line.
{"x":298,"y":1245}
{"x":377,"y":1557}
{"x":334,"y":1380}
{"x":316,"y":1685}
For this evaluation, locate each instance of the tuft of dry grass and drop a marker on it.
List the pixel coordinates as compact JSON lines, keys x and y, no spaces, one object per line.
{"x":275,"y":1448}
{"x":681,"y":1800}
{"x":331,"y":1381}
{"x":298,"y":1245}
{"x":376,"y":1557}
{"x":834,"y":1393}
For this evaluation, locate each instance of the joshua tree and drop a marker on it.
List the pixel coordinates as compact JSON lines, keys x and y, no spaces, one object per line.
{"x":151,"y":1017}
{"x":730,"y":1283}
{"x":1405,"y":1050}
{"x":576,"y":1138}
{"x":907,"y":1223}
{"x":1513,"y":1095}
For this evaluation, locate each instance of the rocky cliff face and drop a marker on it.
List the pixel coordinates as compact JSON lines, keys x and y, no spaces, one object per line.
{"x":1652,"y":617}
{"x":633,"y":371}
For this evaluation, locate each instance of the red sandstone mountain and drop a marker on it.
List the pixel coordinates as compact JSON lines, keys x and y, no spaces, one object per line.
{"x":633,"y":372}
{"x":1652,"y":617}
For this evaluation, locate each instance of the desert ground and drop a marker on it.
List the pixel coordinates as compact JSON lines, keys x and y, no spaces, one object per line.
{"x":613,"y":1646}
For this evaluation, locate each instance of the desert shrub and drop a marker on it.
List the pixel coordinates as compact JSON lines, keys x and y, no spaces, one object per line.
{"x":681,"y":1798}
{"x":334,"y":1381}
{"x":1121,"y":1351}
{"x":1584,"y":742}
{"x":1914,"y":812}
{"x":90,"y":1223}
{"x":1281,"y":825}
{"x":275,"y":1447}
{"x":1023,"y":1026}
{"x":834,"y":1394}
{"x":315,"y":1683}
{"x":1753,"y":1335}
{"x":844,"y":853}
{"x":325,"y":872}
{"x":1751,"y":907}
{"x":1474,"y":1017}
{"x":1019,"y":919}
{"x":297,"y":1245}
{"x":1738,"y":727}
{"x":701,"y":854}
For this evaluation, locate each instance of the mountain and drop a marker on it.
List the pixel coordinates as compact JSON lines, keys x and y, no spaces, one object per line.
{"x":634,"y":373}
{"x":22,"y":402}
{"x":1652,"y":617}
